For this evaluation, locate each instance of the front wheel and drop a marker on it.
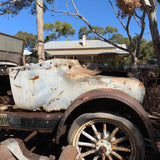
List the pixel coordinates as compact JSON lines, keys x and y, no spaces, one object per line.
{"x":104,"y":136}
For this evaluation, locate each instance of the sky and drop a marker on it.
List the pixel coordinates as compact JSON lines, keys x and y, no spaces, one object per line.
{"x":97,"y":12}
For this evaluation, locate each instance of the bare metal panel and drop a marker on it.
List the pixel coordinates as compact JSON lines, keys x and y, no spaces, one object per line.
{"x":11,"y":48}
{"x":55,"y":84}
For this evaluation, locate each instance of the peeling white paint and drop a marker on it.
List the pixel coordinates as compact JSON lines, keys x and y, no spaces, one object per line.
{"x":55,"y":84}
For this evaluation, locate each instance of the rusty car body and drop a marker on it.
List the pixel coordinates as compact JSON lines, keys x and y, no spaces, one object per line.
{"x":56,"y":93}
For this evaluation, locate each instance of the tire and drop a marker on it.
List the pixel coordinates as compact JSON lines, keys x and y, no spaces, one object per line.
{"x":106,"y":136}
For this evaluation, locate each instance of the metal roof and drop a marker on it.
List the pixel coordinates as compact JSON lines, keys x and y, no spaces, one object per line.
{"x":78,"y":49}
{"x":76,"y":44}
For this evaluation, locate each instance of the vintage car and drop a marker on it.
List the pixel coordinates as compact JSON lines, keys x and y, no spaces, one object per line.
{"x":101,"y":115}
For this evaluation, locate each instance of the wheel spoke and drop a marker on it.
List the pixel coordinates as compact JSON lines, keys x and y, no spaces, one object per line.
{"x":105,"y":134}
{"x":88,"y":152}
{"x":96,"y":157}
{"x":121,"y":149}
{"x":109,"y":157}
{"x":88,"y":136}
{"x":113,"y":133}
{"x":119,"y":140}
{"x":86,"y":144}
{"x":117,"y":155}
{"x":103,"y":157}
{"x":95,"y":131}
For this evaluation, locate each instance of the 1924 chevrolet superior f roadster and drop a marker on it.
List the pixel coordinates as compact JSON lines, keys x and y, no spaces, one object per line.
{"x":100,"y":115}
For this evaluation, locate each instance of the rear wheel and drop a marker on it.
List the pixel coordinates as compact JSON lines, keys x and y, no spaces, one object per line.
{"x":106,"y":136}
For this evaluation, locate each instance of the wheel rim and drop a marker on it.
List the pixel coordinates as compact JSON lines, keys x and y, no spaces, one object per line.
{"x":98,"y":139}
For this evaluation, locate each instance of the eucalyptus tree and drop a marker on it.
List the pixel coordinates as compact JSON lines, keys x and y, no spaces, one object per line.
{"x":150,"y":7}
{"x":58,"y":29}
{"x":29,"y":38}
{"x":89,"y":34}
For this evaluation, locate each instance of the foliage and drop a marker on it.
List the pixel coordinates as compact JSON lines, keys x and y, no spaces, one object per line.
{"x":89,"y":34}
{"x":109,"y":31}
{"x":128,"y":6}
{"x":146,"y":55}
{"x":146,"y":52}
{"x":58,"y":29}
{"x":30,"y":39}
{"x":117,"y":38}
{"x":14,"y":7}
{"x":83,"y":31}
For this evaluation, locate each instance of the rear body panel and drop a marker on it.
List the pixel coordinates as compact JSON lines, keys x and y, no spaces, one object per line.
{"x":54,"y":84}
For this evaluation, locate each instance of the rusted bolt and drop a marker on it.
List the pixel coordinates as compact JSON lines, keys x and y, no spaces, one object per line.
{"x":102,"y":149}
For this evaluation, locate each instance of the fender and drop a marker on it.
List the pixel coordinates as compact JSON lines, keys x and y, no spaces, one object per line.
{"x":110,"y":94}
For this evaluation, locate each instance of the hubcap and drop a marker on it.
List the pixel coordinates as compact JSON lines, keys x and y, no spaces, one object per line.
{"x":103,"y":147}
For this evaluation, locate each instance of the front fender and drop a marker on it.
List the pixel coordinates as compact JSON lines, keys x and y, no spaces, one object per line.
{"x":115,"y":95}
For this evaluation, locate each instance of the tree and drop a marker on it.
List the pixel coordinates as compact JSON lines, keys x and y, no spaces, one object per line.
{"x":109,"y":30}
{"x":127,"y":10}
{"x":40,"y":29}
{"x":150,"y":7}
{"x":58,"y":29}
{"x":116,"y":38}
{"x":146,"y":52}
{"x":89,"y":34}
{"x":30,"y":39}
{"x":83,"y":31}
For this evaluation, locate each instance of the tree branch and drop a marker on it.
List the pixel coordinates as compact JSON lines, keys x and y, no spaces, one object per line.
{"x":58,"y":11}
{"x":135,"y":15}
{"x":141,"y":33}
{"x":128,"y":32}
{"x":117,"y":15}
{"x":9,"y":2}
{"x":2,"y":14}
{"x":125,"y":27}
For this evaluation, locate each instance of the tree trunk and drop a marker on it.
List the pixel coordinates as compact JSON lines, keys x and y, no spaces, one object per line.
{"x":152,"y":16}
{"x":40,"y":30}
{"x":134,"y":62}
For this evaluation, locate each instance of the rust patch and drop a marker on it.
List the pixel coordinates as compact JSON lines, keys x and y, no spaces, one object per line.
{"x":48,"y":68}
{"x":51,"y":89}
{"x":4,"y":107}
{"x":24,"y":151}
{"x":71,"y":75}
{"x":61,"y":92}
{"x":35,"y":77}
{"x":140,"y":84}
{"x":5,"y":153}
{"x":100,"y":82}
{"x":69,"y":153}
{"x":18,"y":86}
{"x":85,"y":98}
